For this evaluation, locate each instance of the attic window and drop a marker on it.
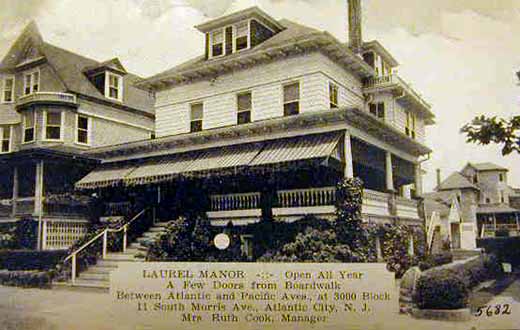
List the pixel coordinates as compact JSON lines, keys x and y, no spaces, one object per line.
{"x":241,"y":36}
{"x":217,"y":43}
{"x":113,"y":86}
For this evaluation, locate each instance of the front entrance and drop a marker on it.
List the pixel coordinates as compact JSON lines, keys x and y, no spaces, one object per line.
{"x":455,"y":236}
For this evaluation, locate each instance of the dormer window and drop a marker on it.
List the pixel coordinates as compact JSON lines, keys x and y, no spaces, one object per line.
{"x":217,"y":43}
{"x":31,"y":82}
{"x":114,"y":86}
{"x":229,"y":39}
{"x":241,"y":36}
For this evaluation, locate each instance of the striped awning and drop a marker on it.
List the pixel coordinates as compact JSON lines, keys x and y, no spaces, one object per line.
{"x":194,"y":163}
{"x":199,"y":163}
{"x":105,"y":176}
{"x":295,"y":149}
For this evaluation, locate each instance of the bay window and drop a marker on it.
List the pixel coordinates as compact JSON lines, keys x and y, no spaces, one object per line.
{"x":53,"y":125}
{"x":29,"y":120}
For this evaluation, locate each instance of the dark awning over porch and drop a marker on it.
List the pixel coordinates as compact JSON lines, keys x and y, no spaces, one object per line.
{"x":220,"y":160}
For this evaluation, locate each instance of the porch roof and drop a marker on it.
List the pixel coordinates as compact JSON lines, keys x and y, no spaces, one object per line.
{"x":199,"y":163}
{"x":105,"y":176}
{"x":499,"y":208}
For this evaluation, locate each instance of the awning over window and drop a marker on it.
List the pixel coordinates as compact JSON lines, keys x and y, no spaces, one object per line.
{"x":105,"y":176}
{"x":197,"y":163}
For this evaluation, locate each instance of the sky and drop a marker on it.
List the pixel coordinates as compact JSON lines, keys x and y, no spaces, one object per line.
{"x":460,"y":55}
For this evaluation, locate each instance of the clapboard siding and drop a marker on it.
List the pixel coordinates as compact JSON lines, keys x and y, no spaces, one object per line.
{"x":313,"y":71}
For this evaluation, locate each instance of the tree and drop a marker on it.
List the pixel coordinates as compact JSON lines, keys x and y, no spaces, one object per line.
{"x":484,"y":130}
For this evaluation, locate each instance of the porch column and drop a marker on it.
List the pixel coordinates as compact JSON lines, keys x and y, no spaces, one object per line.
{"x":418,"y":180}
{"x":389,"y":173}
{"x":347,"y":154}
{"x":15,"y":190}
{"x":38,"y":199}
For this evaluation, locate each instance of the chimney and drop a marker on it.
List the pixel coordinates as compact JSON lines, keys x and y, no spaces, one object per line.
{"x":438,"y":177}
{"x":355,"y":38}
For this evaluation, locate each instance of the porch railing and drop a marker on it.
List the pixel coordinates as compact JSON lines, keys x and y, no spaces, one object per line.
{"x":103,"y":236}
{"x":306,"y":197}
{"x":245,"y":201}
{"x":25,"y":206}
{"x":118,"y":208}
{"x":492,"y":228}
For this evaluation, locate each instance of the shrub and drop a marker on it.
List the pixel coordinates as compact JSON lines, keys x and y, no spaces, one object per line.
{"x":505,"y":248}
{"x":442,"y":289}
{"x":447,"y":287}
{"x":185,"y":240}
{"x":434,"y":260}
{"x":26,"y":279}
{"x":7,"y":241}
{"x":26,"y":234}
{"x":30,"y":259}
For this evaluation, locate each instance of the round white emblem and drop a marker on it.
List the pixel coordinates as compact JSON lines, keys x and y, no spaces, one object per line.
{"x":221,"y":241}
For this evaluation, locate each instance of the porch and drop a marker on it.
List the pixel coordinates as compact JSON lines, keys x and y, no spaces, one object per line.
{"x":37,"y":185}
{"x":293,"y":204}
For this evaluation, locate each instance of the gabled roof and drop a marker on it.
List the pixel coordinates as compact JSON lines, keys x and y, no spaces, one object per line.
{"x":292,"y":38}
{"x":439,"y":202}
{"x":70,"y":69}
{"x":456,"y":181}
{"x":487,"y":167}
{"x":113,"y":64}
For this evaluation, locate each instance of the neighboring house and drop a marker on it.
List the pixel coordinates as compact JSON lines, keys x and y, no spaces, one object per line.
{"x":270,"y":118}
{"x":444,"y":221}
{"x":486,"y":200}
{"x":54,"y":105}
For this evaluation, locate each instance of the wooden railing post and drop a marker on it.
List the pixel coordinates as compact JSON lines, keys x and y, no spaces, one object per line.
{"x":105,"y":243}
{"x":73,"y":272}
{"x":124,"y":238}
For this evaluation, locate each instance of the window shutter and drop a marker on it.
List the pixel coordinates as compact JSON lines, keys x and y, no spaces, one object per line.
{"x":207,"y":46}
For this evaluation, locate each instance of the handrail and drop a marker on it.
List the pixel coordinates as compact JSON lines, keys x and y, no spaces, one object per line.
{"x":103,"y":233}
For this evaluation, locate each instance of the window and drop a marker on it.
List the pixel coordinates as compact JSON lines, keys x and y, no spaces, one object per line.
{"x":244,"y":106}
{"x":52,"y":121}
{"x":333,"y":95}
{"x":5,"y":134}
{"x":501,"y":177}
{"x":475,"y":178}
{"x":291,"y":99}
{"x":8,"y":90}
{"x":114,"y":86}
{"x":502,"y":197}
{"x":410,"y":124}
{"x":488,"y":200}
{"x":241,"y":36}
{"x":31,"y":82}
{"x":196,"y":115}
{"x":82,"y":129}
{"x":377,"y":109}
{"x":217,"y":43}
{"x":28,"y":126}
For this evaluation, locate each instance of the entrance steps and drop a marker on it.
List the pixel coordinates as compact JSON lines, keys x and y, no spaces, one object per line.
{"x":459,"y":254}
{"x":97,"y":277}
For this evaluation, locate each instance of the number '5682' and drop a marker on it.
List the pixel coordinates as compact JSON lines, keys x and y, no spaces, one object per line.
{"x":493,"y":310}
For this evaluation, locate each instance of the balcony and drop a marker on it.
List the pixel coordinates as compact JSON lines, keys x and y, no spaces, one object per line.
{"x":403,"y":90}
{"x":291,"y":205}
{"x":47,"y":98}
